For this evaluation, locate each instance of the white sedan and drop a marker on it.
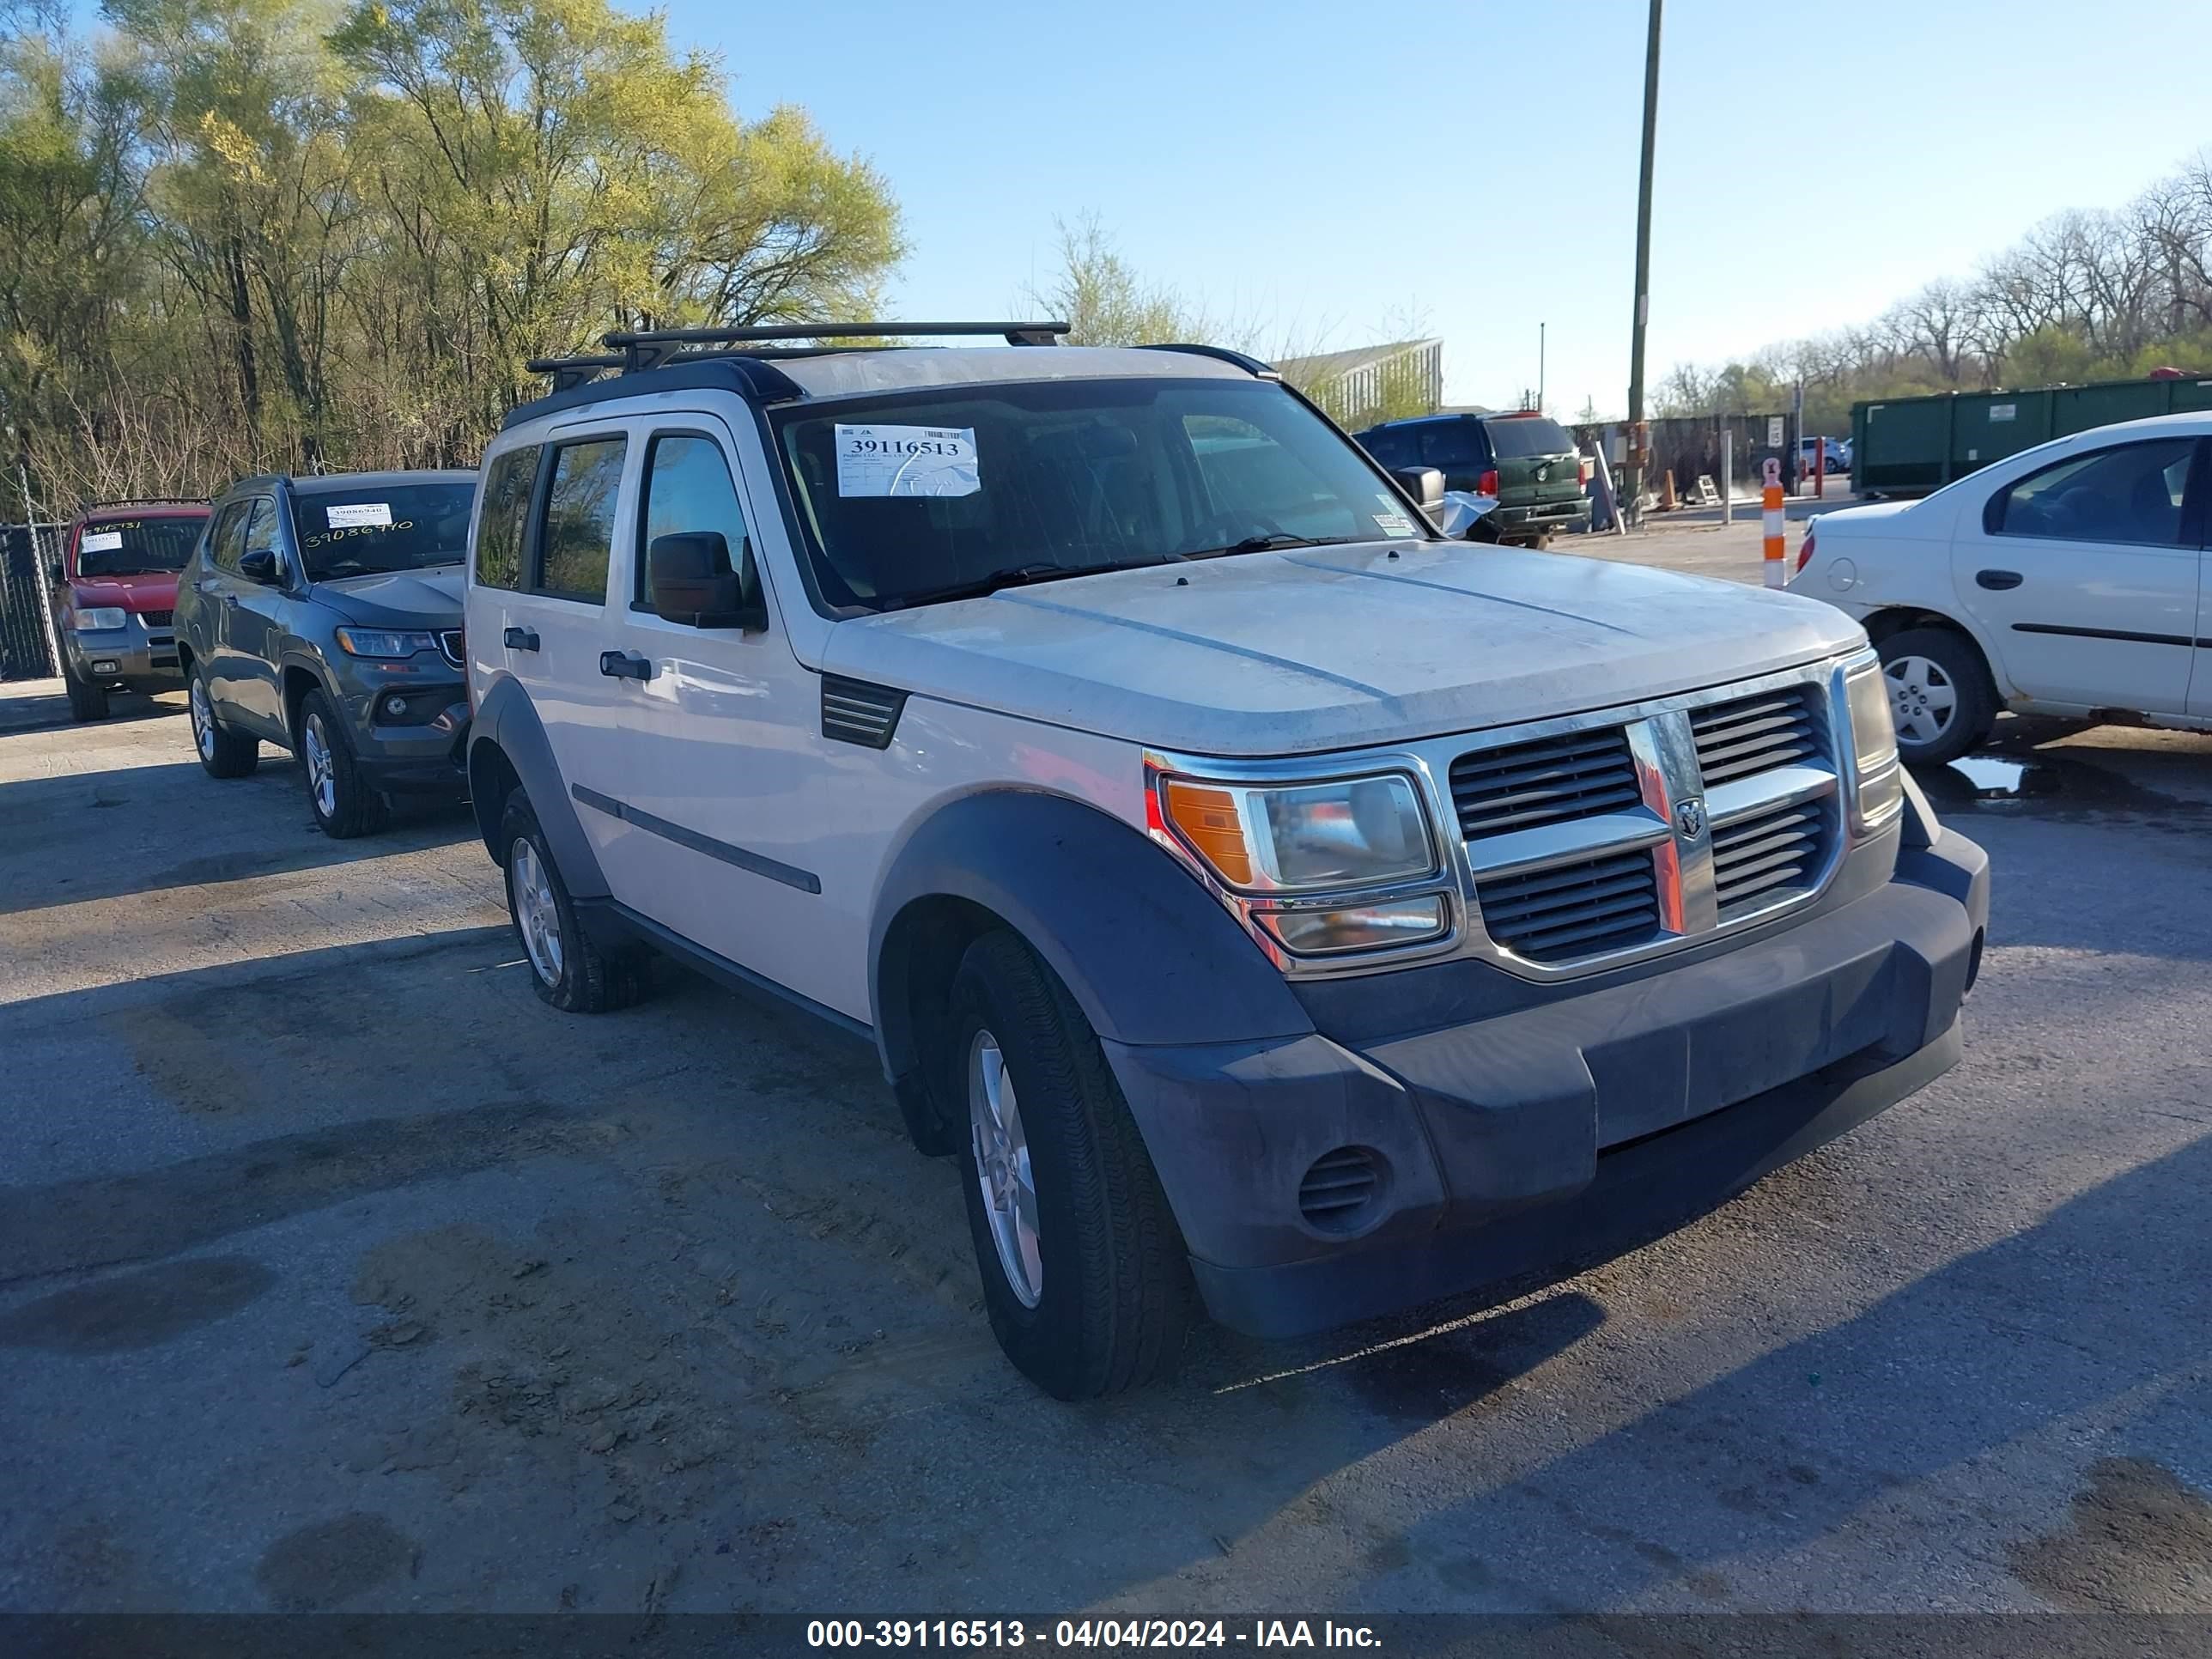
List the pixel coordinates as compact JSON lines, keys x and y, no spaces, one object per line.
{"x":2071,"y":579}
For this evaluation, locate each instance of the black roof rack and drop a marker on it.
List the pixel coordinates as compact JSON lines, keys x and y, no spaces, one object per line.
{"x":571,"y":372}
{"x":651,"y":348}
{"x":146,"y":500}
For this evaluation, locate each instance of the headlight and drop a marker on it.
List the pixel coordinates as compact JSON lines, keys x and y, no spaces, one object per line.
{"x":1356,"y":832}
{"x":1879,"y":782}
{"x":379,"y":642}
{"x":96,"y":618}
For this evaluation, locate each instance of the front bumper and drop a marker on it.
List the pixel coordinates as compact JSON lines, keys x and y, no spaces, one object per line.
{"x":422,"y":752}
{"x":142,"y":658}
{"x":1515,"y":1142}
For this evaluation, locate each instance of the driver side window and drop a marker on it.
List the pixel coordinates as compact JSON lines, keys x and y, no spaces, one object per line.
{"x":687,"y":491}
{"x":2130,"y":494}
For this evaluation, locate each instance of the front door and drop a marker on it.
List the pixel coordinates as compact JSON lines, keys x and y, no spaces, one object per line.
{"x":2080,"y":575}
{"x":255,"y":617}
{"x":722,"y":743}
{"x":217,"y":587}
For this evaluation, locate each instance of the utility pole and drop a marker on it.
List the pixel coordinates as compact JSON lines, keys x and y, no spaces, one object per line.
{"x":1540,"y":367}
{"x":1634,"y":472}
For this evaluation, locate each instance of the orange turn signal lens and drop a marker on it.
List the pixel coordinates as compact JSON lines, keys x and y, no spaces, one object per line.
{"x":1207,"y":819}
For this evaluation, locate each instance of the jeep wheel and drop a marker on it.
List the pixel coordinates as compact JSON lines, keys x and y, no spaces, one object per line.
{"x":87,"y":701}
{"x":344,"y":806}
{"x":1083,"y":1266}
{"x":567,"y":968}
{"x":1939,"y":697}
{"x":224,"y":752}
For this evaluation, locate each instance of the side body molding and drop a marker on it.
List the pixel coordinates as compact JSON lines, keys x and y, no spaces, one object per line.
{"x":507,"y":721}
{"x":1148,"y":954}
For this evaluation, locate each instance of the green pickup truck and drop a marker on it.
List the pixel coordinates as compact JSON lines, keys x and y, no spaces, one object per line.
{"x":1525,"y":460}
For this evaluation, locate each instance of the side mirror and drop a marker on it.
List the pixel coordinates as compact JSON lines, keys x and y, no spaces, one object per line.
{"x":1424,"y":483}
{"x":260,"y":566}
{"x":695,"y":583}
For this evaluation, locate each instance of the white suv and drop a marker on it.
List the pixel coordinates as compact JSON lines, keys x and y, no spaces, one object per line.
{"x":1273,"y":906}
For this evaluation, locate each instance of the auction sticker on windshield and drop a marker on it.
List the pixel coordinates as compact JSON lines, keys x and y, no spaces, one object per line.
{"x":343,"y":516}
{"x":101,"y":541}
{"x":907,"y":460}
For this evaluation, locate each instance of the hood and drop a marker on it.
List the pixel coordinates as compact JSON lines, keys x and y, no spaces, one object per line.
{"x":154,"y":590}
{"x":1319,"y":648}
{"x":397,"y":598}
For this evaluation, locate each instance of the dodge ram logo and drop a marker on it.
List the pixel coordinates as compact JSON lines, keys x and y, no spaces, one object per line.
{"x":1690,"y":819}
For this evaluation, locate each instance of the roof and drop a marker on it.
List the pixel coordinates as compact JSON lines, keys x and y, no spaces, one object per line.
{"x":782,"y":376}
{"x":318,"y":483}
{"x":160,"y":507}
{"x":1330,"y":365}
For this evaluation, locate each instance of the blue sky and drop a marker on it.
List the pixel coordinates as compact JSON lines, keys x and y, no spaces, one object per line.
{"x":1328,"y":170}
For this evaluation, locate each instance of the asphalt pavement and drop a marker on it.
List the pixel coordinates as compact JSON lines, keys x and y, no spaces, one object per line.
{"x":338,"y":1273}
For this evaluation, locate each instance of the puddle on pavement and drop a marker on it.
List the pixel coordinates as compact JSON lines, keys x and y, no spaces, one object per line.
{"x":2054,"y":781}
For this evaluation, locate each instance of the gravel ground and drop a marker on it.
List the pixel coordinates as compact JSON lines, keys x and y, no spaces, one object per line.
{"x":336,"y":1271}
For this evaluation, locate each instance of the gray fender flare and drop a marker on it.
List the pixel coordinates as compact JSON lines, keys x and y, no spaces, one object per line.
{"x":507,"y":723}
{"x":1150,"y":956}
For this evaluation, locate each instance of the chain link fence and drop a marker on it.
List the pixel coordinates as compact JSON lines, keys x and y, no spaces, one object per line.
{"x":26,"y":639}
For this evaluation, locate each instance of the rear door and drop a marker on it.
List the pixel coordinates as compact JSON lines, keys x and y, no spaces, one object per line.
{"x":2084,"y":580}
{"x":543,"y":549}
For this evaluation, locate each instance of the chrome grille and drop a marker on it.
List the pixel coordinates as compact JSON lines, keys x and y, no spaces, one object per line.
{"x":1759,"y":855}
{"x":1526,"y":786}
{"x":1566,"y":911}
{"x":157,"y":618}
{"x":1755,"y":734}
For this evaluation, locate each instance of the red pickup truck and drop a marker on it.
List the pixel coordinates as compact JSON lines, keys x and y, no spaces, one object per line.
{"x":115,"y":595}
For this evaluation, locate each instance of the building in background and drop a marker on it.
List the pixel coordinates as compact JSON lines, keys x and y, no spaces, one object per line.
{"x":1372,"y":383}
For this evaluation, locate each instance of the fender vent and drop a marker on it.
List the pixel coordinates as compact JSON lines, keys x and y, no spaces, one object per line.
{"x":853,"y":711}
{"x":1337,"y":1190}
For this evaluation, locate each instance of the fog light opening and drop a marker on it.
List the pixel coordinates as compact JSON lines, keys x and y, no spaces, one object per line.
{"x":1342,"y":1190}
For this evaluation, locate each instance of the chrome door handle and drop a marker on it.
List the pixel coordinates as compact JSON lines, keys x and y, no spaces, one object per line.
{"x":521,"y":639}
{"x":623,"y":665}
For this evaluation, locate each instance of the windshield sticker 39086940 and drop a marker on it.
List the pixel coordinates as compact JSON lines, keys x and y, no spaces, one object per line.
{"x":348,"y":516}
{"x":907,"y":460}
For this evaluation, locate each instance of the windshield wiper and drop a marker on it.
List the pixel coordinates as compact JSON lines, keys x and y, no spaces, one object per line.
{"x":1019,"y":576}
{"x":1272,"y":539}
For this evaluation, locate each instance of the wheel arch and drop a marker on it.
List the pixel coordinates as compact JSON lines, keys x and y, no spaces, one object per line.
{"x":1891,"y":620}
{"x":508,"y":745}
{"x":1148,"y":955}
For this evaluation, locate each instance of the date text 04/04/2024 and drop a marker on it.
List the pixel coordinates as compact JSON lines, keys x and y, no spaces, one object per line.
{"x":1091,"y":1634}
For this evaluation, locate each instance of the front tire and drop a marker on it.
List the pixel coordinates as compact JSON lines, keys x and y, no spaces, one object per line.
{"x":86,"y":701}
{"x":344,"y":803}
{"x":568,"y":969}
{"x":1084,"y":1271}
{"x":1940,"y":699}
{"x":223,"y":753}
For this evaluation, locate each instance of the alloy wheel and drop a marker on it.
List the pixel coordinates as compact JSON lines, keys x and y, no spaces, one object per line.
{"x":536,"y":913}
{"x":1001,"y":1150}
{"x":202,"y":719}
{"x":322,"y":775}
{"x":1923,"y":701}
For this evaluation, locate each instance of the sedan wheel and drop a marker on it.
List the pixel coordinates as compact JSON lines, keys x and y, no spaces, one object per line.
{"x":1923,"y":700}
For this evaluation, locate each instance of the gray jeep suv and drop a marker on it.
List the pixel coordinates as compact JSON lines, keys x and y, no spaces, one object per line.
{"x":323,"y":614}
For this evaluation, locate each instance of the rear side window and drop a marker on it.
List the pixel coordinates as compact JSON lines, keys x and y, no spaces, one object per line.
{"x":506,"y":487}
{"x":580,"y":519}
{"x":687,"y":489}
{"x":1520,"y":439}
{"x":2130,"y":494}
{"x":230,"y":534}
{"x":1393,"y":446}
{"x":1452,"y":445}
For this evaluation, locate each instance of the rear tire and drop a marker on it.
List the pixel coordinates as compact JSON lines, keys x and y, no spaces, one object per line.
{"x":223,"y":753}
{"x":1084,"y":1270}
{"x":342,"y":800}
{"x":568,"y":969}
{"x":87,"y":701}
{"x":1941,"y":697}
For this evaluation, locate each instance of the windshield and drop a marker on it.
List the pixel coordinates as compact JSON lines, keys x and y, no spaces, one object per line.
{"x":136,"y":547}
{"x":1519,"y":439}
{"x":914,"y":497}
{"x":378,"y":527}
